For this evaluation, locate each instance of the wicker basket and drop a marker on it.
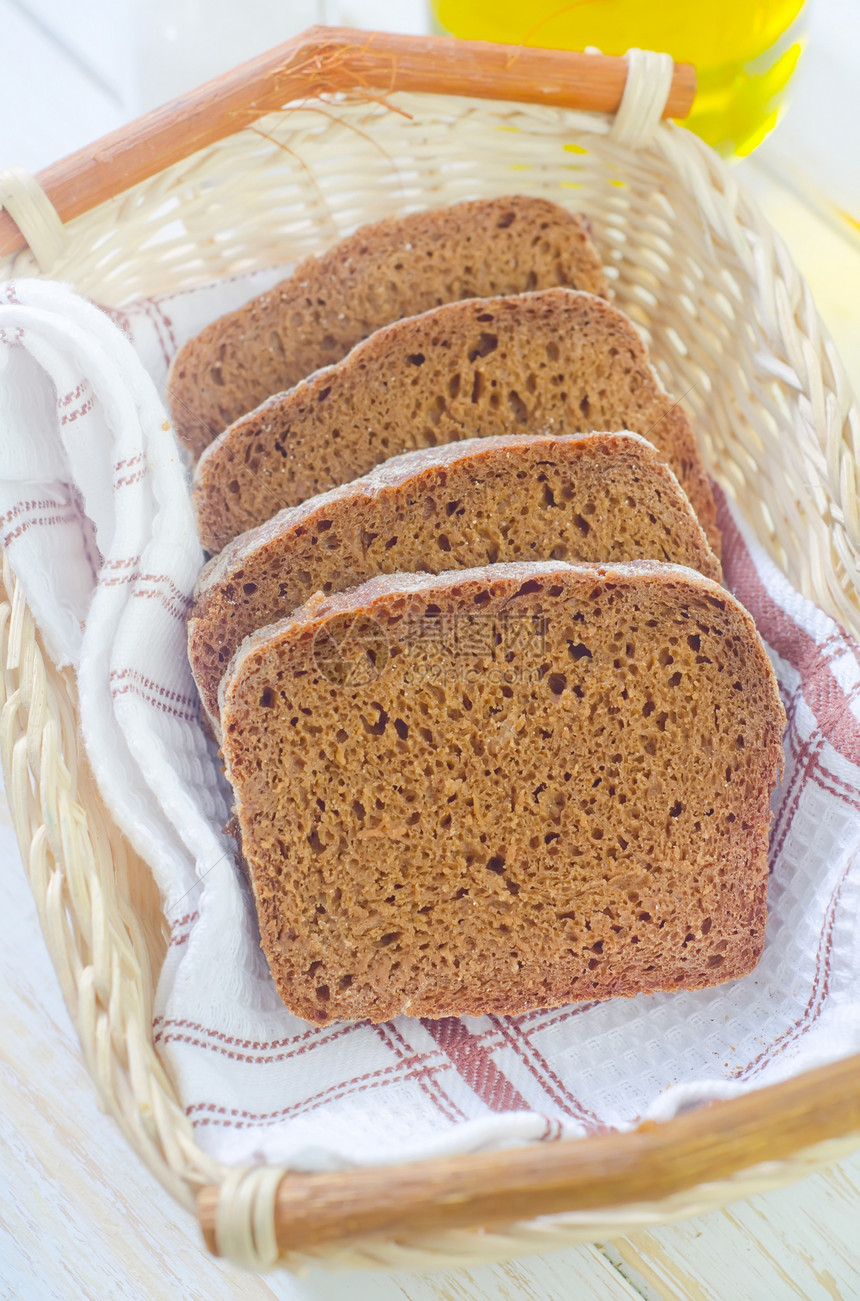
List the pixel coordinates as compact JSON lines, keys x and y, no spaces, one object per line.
{"x":268,"y":164}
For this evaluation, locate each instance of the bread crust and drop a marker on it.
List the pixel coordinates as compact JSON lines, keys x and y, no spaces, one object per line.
{"x":383,"y":272}
{"x":555,"y":361}
{"x":459,"y":844}
{"x":596,"y":496}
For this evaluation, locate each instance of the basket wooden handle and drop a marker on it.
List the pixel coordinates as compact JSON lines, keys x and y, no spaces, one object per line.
{"x":321,"y":61}
{"x":604,"y":1172}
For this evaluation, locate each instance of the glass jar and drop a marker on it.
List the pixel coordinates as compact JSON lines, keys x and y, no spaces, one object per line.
{"x":744,"y":50}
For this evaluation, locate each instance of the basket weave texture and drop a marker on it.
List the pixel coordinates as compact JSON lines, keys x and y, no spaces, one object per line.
{"x":733,"y":331}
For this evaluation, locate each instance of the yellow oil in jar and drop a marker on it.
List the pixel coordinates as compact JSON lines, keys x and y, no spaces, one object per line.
{"x":744,"y":50}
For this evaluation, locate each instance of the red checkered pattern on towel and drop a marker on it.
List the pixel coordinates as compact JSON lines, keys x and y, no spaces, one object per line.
{"x":97,"y":524}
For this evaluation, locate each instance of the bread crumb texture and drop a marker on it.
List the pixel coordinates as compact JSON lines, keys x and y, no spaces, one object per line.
{"x":490,"y":791}
{"x":395,"y":268}
{"x":572,"y":497}
{"x":557,"y":361}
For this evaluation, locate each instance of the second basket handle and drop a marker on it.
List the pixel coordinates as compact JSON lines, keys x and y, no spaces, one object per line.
{"x":645,"y":101}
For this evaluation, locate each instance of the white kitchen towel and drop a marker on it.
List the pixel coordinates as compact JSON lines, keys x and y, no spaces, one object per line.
{"x":97,"y":524}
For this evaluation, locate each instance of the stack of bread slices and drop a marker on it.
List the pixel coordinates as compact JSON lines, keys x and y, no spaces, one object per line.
{"x":498,"y":737}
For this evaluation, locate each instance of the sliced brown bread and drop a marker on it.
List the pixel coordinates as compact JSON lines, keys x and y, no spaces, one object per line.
{"x":382,"y":273}
{"x":499,"y":789}
{"x":565,"y":497}
{"x":558,"y":361}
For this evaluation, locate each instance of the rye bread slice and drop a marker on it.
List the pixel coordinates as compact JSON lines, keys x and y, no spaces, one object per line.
{"x":500,"y":789}
{"x":558,"y":361}
{"x":566,"y":497}
{"x":382,"y":273}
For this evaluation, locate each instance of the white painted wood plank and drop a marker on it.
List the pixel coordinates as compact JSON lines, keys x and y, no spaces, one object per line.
{"x":179,"y":46}
{"x":98,"y":36}
{"x":799,"y":1242}
{"x":582,"y":1273}
{"x":48,"y":107}
{"x":82,"y":1219}
{"x":410,"y":16}
{"x":81,"y":1216}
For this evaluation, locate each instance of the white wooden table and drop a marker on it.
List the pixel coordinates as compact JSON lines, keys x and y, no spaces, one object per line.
{"x":80,"y":1217}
